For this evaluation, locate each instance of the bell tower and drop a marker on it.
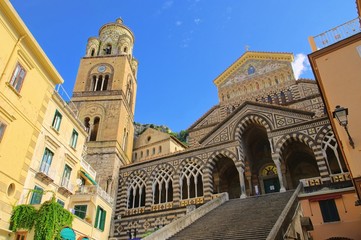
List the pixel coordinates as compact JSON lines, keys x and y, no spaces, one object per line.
{"x":104,"y":94}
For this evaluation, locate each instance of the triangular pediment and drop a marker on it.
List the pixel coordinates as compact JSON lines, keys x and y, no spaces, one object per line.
{"x":274,"y":117}
{"x":252,"y":64}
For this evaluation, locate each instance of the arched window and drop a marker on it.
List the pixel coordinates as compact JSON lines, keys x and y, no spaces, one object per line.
{"x":92,"y":52}
{"x":125,"y":49}
{"x":141,"y":154}
{"x":289,"y":95}
{"x":125,"y":139}
{"x":147,"y":152}
{"x":136,"y":192}
{"x":87,"y":124}
{"x":269,"y":99}
{"x":283,"y":97}
{"x":100,"y":83}
{"x":129,"y":92}
{"x":163,"y":186}
{"x":94,"y":131}
{"x":153,"y":151}
{"x":191,"y":182}
{"x":108,"y":49}
{"x":160,"y":149}
{"x":332,"y":154}
{"x":135,"y":156}
{"x":276,"y":80}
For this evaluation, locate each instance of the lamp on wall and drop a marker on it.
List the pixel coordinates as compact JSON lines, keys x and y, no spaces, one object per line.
{"x":340,"y":113}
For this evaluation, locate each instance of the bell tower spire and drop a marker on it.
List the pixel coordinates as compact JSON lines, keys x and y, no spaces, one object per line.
{"x":104,"y":94}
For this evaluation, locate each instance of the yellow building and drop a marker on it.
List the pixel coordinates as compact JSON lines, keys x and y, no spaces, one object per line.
{"x":336,"y":60}
{"x":153,"y":143}
{"x":23,"y":64}
{"x":58,"y":167}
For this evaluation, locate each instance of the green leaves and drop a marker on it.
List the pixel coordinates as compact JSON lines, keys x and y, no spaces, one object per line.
{"x":23,"y":217}
{"x":48,"y":220}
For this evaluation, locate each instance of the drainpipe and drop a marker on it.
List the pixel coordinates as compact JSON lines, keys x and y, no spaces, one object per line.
{"x":11,"y":54}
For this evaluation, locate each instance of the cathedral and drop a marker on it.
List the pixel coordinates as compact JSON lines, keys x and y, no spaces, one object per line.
{"x":268,"y":133}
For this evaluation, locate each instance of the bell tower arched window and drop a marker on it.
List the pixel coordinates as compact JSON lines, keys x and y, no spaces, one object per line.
{"x":129,"y":93}
{"x":100,"y":83}
{"x":108,"y":49}
{"x":92,"y":52}
{"x":94,"y":130}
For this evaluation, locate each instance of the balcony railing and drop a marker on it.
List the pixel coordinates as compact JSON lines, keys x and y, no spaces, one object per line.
{"x":88,"y":168}
{"x":94,"y":189}
{"x":341,"y":180}
{"x":336,"y":34}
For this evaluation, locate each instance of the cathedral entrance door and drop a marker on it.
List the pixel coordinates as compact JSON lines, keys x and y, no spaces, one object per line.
{"x":271,"y":185}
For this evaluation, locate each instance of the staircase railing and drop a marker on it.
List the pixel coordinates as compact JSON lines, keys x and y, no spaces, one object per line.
{"x":285,"y":218}
{"x":183,"y":222}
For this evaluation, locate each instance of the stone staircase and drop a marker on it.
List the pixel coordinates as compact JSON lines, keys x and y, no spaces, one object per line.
{"x":238,"y":219}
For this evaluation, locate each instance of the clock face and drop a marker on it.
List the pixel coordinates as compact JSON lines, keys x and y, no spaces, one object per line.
{"x":101,"y":68}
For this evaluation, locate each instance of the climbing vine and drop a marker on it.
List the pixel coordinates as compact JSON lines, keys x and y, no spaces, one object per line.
{"x":51,"y":219}
{"x":48,"y":221}
{"x":23,"y":217}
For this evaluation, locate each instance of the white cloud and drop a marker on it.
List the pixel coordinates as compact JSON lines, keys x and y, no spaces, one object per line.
{"x":178,"y":23}
{"x":300,"y":65}
{"x":197,"y":21}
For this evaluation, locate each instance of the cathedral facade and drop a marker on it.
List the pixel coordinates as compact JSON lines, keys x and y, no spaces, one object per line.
{"x":267,"y":134}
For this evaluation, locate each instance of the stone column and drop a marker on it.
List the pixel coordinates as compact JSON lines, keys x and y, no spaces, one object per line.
{"x":207,"y":184}
{"x":242,"y":181}
{"x":277,"y":162}
{"x":176,"y":191}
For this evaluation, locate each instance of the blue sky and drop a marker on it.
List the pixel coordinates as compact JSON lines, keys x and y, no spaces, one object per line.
{"x":182,"y":45}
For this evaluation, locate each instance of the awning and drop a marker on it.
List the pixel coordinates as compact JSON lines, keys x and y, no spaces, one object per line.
{"x":89,"y":177}
{"x":67,"y":234}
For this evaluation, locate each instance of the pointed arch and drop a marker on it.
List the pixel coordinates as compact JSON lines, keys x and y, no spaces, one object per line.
{"x":136,"y":189}
{"x":191,"y":178}
{"x":251,"y":119}
{"x":162,"y":183}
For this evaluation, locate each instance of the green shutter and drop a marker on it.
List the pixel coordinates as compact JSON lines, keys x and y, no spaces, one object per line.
{"x":102,"y":220}
{"x":96,"y":218}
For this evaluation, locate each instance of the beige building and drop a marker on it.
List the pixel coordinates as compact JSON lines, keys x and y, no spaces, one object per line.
{"x":267,"y":134}
{"x":153,"y":143}
{"x":336,"y":60}
{"x":105,"y":93}
{"x":58,"y":168}
{"x":23,"y":65}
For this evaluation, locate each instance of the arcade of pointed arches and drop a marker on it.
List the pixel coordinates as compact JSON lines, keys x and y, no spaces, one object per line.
{"x":258,"y":171}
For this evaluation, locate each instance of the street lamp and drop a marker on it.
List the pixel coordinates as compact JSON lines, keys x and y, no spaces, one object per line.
{"x":340,"y":114}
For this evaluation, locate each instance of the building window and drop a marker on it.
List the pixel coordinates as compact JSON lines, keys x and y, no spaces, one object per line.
{"x":2,"y":129}
{"x":37,"y":195}
{"x":61,"y":202}
{"x":160,"y":149}
{"x":20,"y":236}
{"x":46,"y":162}
{"x":92,"y":52}
{"x":56,"y":120}
{"x":80,"y":211}
{"x":163,"y":186}
{"x":153,"y":152}
{"x":17,"y":78}
{"x":329,"y":210}
{"x":74,"y":139}
{"x":191,"y":180}
{"x":141,"y":154}
{"x":108,"y":49}
{"x":136,"y":192}
{"x":135,"y":156}
{"x":147,"y":152}
{"x":94,"y":131}
{"x":66,"y":176}
{"x":100,"y":218}
{"x":125,"y":140}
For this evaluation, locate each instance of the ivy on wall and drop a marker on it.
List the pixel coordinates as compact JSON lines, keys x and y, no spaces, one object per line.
{"x":48,"y":221}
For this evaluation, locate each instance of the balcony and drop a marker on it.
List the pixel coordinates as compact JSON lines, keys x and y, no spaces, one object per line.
{"x":66,"y":188}
{"x":45,"y":174}
{"x":86,"y":192}
{"x":86,"y":166}
{"x":335,"y":35}
{"x":338,"y":181}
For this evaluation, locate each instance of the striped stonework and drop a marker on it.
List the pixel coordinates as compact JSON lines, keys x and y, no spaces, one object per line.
{"x":249,"y":119}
